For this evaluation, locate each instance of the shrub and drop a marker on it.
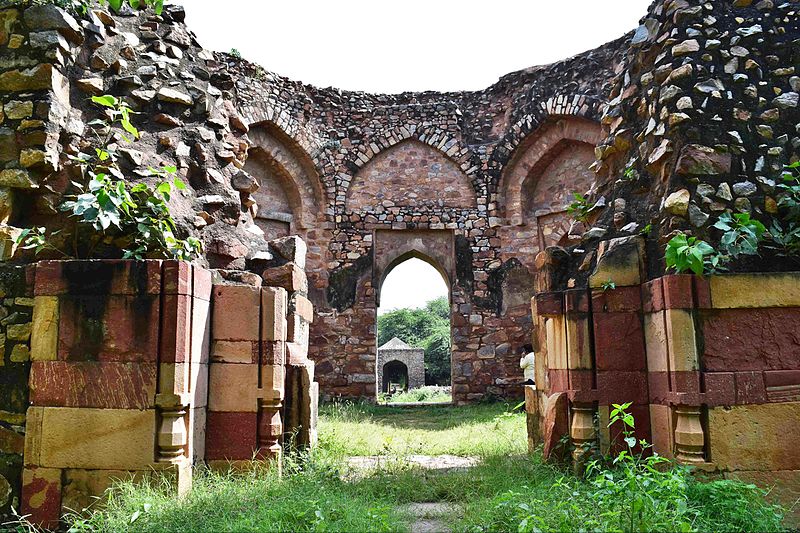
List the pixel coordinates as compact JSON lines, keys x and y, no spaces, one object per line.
{"x":107,"y":213}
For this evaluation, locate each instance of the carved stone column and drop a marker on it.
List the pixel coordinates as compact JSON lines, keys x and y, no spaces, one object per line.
{"x":172,"y":434}
{"x":583,"y":434}
{"x":270,"y":427}
{"x":689,"y":435}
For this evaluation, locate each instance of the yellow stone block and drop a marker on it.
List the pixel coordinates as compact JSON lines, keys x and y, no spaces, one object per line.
{"x":273,"y":313}
{"x":232,"y":351}
{"x":618,"y":261}
{"x":233,"y":387}
{"x":755,"y":437}
{"x":44,"y":332}
{"x":682,"y":344}
{"x":661,"y":428}
{"x":655,"y":338}
{"x":733,"y":291}
{"x":104,"y":439}
{"x":555,"y":329}
{"x":579,"y":354}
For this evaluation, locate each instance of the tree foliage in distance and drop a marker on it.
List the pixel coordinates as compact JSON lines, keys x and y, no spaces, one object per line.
{"x":428,"y":328}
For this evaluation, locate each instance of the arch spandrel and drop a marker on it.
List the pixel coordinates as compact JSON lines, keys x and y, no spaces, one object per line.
{"x":410,"y":174}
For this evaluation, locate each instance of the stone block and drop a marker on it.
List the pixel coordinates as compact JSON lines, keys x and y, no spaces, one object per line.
{"x":272,"y":377}
{"x":105,"y":439}
{"x":178,"y":277}
{"x":755,"y":437}
{"x":231,"y":436}
{"x":93,"y":384}
{"x":303,"y":307}
{"x":236,"y":314}
{"x":661,"y":429}
{"x":615,"y":386}
{"x":98,"y":278}
{"x":273,"y":313}
{"x":620,"y":300}
{"x":653,"y":296}
{"x":682,"y":343}
{"x":555,"y":425}
{"x":658,"y":387}
{"x":619,"y":261}
{"x":201,"y":330}
{"x":555,"y":333}
{"x":755,"y":290}
{"x":655,"y":338}
{"x":291,"y":248}
{"x":273,"y":353}
{"x":175,"y":378}
{"x":619,"y":341}
{"x":108,"y":328}
{"x":750,"y":388}
{"x":81,"y":488}
{"x":289,"y":276}
{"x":41,"y":496}
{"x":579,"y":343}
{"x":548,"y":303}
{"x":678,"y":291}
{"x":176,"y":328}
{"x":234,"y":352}
{"x":720,"y":388}
{"x":233,"y":387}
{"x":750,"y":339}
{"x":296,"y":353}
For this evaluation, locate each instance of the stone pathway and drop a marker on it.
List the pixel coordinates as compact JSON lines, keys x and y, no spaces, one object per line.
{"x":441,"y":463}
{"x":428,"y":517}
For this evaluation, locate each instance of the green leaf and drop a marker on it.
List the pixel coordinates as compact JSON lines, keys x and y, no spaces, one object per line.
{"x":105,"y":100}
{"x":180,"y":185}
{"x":115,"y":4}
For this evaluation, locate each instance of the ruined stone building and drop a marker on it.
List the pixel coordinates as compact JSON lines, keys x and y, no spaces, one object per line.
{"x":662,"y":131}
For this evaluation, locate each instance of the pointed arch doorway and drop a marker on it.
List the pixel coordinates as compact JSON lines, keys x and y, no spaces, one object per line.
{"x":426,"y":262}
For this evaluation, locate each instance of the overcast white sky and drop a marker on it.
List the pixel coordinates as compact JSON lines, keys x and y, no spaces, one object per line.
{"x":408,"y":45}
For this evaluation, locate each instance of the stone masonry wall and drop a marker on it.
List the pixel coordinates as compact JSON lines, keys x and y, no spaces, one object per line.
{"x":671,"y":100}
{"x":16,"y":286}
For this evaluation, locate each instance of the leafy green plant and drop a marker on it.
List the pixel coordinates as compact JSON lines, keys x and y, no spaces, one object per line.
{"x":635,"y":486}
{"x":580,"y":208}
{"x":684,"y":254}
{"x":109,"y":212}
{"x":789,"y":189}
{"x":783,"y":235}
{"x":608,"y":285}
{"x":742,"y":235}
{"x":236,"y":53}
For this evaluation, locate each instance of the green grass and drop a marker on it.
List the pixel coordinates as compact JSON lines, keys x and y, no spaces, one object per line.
{"x":477,"y":430}
{"x":257,"y":500}
{"x":426,"y":394}
{"x":507,"y":491}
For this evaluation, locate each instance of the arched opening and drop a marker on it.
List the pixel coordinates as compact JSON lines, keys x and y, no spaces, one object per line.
{"x":414,"y":328}
{"x":395,"y":377}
